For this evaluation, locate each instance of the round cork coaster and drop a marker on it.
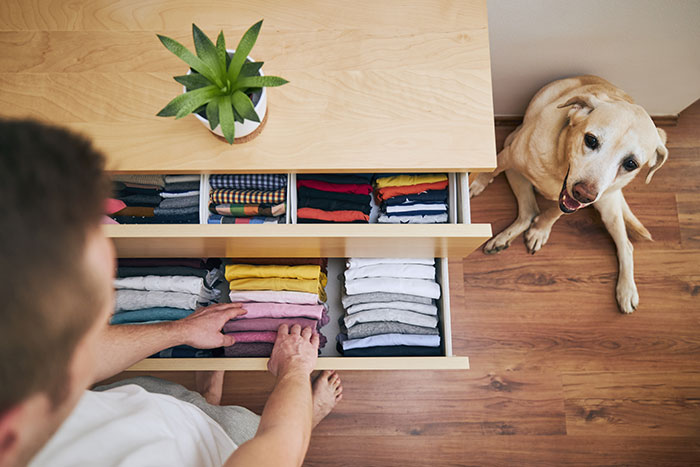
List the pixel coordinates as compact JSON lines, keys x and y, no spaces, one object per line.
{"x":251,"y":136}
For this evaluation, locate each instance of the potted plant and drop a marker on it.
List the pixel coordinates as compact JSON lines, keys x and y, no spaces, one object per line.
{"x":224,"y":88}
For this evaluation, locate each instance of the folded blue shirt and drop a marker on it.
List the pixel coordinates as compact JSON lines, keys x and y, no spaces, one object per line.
{"x":149,"y":314}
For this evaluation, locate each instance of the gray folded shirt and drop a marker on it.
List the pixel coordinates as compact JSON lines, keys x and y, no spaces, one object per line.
{"x":374,"y":297}
{"x":362,"y":330}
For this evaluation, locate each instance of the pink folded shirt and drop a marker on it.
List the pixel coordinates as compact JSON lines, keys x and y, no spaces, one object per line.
{"x":279,"y":296}
{"x":265,"y":336}
{"x":281,"y":310}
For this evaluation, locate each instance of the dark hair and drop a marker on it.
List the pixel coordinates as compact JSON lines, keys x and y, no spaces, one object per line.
{"x":52,"y":193}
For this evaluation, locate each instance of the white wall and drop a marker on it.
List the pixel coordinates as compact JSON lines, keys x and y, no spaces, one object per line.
{"x":649,"y":48}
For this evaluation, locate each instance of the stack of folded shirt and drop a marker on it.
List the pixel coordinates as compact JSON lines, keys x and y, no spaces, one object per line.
{"x":390,"y":308}
{"x":325,"y":198}
{"x":274,"y":292}
{"x":154,"y":290}
{"x":412,"y":198}
{"x":157,"y":199}
{"x":248,"y":199}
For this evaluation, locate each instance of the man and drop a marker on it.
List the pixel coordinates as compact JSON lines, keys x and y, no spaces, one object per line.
{"x":56,"y":282}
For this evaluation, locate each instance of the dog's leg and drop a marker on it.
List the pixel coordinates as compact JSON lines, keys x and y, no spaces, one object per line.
{"x":482,"y":180}
{"x":610,"y":208}
{"x":537,"y":235}
{"x":527,"y":210}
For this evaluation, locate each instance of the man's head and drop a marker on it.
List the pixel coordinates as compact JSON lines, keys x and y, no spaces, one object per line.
{"x":55,"y":278}
{"x":607,"y":143}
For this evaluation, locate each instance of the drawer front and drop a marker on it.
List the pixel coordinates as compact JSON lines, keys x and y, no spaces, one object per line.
{"x":456,"y":239}
{"x":330,"y":358}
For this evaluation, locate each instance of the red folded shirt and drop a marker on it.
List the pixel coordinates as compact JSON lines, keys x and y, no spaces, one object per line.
{"x":336,"y":216}
{"x":355,"y":188}
{"x":391,"y":191}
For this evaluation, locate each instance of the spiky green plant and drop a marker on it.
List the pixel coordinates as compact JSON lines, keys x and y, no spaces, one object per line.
{"x":220,"y":82}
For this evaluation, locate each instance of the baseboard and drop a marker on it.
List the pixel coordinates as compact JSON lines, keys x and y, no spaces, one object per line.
{"x":515,"y":120}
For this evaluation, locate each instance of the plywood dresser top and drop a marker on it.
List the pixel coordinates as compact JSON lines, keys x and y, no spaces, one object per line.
{"x":374,"y":85}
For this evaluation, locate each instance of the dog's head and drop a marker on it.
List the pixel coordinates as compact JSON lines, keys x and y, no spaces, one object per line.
{"x":607,"y":143}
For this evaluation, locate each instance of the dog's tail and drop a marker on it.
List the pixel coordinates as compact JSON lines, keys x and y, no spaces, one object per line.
{"x":633,"y":224}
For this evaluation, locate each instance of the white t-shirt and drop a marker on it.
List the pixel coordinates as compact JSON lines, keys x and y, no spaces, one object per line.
{"x":128,"y":426}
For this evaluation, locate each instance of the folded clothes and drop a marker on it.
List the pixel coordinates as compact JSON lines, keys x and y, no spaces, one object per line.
{"x":404,"y":180}
{"x":249,"y":181}
{"x":323,"y":262}
{"x":391,"y":191}
{"x":267,"y":324}
{"x":382,"y":297}
{"x":362,"y":262}
{"x":333,"y":205}
{"x":139,"y":211}
{"x":277,"y":283}
{"x":301,"y":220}
{"x":335,"y":216}
{"x":279,"y":296}
{"x":389,"y":314}
{"x":254,"y":336}
{"x":180,"y":202}
{"x":338,"y":178}
{"x":281,"y":310}
{"x":179,"y":187}
{"x":141,"y":200}
{"x":422,"y":287}
{"x":194,"y":263}
{"x":430,"y":196}
{"x":361,"y":330}
{"x":182,"y":194}
{"x":182,"y":178}
{"x":394,"y":351}
{"x":219,"y":219}
{"x":408,"y":306}
{"x":156,"y":180}
{"x":137,"y":299}
{"x":419,"y":218}
{"x":240,"y":271}
{"x":305,"y":192}
{"x":355,"y":188}
{"x":248,"y":210}
{"x":123,"y":189}
{"x":187,"y":284}
{"x":183,"y":219}
{"x":160,"y":211}
{"x":184,"y":351}
{"x":231,"y":196}
{"x":253,"y":349}
{"x":421,"y":340}
{"x":149,"y":314}
{"x":437,"y":208}
{"x":409,"y":271}
{"x":113,"y":205}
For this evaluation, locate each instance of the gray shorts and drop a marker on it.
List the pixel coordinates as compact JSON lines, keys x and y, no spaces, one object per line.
{"x":238,"y":422}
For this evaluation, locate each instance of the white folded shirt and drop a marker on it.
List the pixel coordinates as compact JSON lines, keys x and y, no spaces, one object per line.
{"x":428,"y":219}
{"x":392,"y":339}
{"x":361,"y":262}
{"x":388,"y":314}
{"x":420,"y":287}
{"x":437,"y":208}
{"x":166,"y":194}
{"x":408,"y":271}
{"x":408,"y":306}
{"x":187,"y":284}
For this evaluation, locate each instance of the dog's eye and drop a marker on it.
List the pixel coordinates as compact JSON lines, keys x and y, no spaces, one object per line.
{"x":591,"y":141}
{"x":630,"y":164}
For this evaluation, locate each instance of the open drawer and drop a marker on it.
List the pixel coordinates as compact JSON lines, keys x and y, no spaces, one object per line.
{"x":330,"y":358}
{"x":457,"y":238}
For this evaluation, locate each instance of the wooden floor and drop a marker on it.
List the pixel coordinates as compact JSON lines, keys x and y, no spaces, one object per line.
{"x":559,"y":376}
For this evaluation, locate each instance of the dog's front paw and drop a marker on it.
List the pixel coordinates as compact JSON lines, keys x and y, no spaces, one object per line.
{"x":479,"y":184}
{"x":627,"y":296}
{"x":535,"y":237}
{"x":497,"y":244}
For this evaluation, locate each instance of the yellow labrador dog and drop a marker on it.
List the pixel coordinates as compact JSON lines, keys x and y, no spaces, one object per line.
{"x":581,"y":141}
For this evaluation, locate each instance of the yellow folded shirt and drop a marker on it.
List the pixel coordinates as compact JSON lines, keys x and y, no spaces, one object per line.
{"x":404,"y":180}
{"x":241,"y":271}
{"x":281,"y":283}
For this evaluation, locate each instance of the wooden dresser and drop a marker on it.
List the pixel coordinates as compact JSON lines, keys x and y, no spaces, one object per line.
{"x":374,"y":87}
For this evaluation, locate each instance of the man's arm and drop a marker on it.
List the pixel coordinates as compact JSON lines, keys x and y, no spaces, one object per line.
{"x":285,"y":427}
{"x":125,"y":344}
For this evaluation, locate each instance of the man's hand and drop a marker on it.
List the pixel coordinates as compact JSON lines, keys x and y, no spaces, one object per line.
{"x":295,"y":350}
{"x":202,"y":329}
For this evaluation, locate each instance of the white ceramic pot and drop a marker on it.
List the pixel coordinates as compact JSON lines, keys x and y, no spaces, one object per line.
{"x":248,"y":126}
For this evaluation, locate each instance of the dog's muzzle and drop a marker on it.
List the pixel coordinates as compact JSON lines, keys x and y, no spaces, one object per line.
{"x":567,"y":203}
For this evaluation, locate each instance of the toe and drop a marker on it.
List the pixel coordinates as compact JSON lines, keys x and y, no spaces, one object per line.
{"x":339,"y":390}
{"x":326,"y":374}
{"x":338,"y":398}
{"x":335,"y":380}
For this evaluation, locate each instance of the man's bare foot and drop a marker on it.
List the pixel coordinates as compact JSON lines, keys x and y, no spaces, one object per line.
{"x":327,"y":392}
{"x":210,"y":384}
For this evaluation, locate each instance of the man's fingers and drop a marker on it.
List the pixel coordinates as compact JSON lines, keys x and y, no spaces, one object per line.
{"x":229,"y":340}
{"x":283,"y":329}
{"x":234,"y":312}
{"x":306,"y":333}
{"x":315,"y":340}
{"x":296,"y":330}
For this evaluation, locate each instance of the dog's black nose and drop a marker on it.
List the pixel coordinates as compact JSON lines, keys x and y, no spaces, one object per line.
{"x":583,"y":193}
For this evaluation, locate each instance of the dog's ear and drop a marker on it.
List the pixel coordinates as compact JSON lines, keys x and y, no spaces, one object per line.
{"x":659,"y":157}
{"x":581,"y":106}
